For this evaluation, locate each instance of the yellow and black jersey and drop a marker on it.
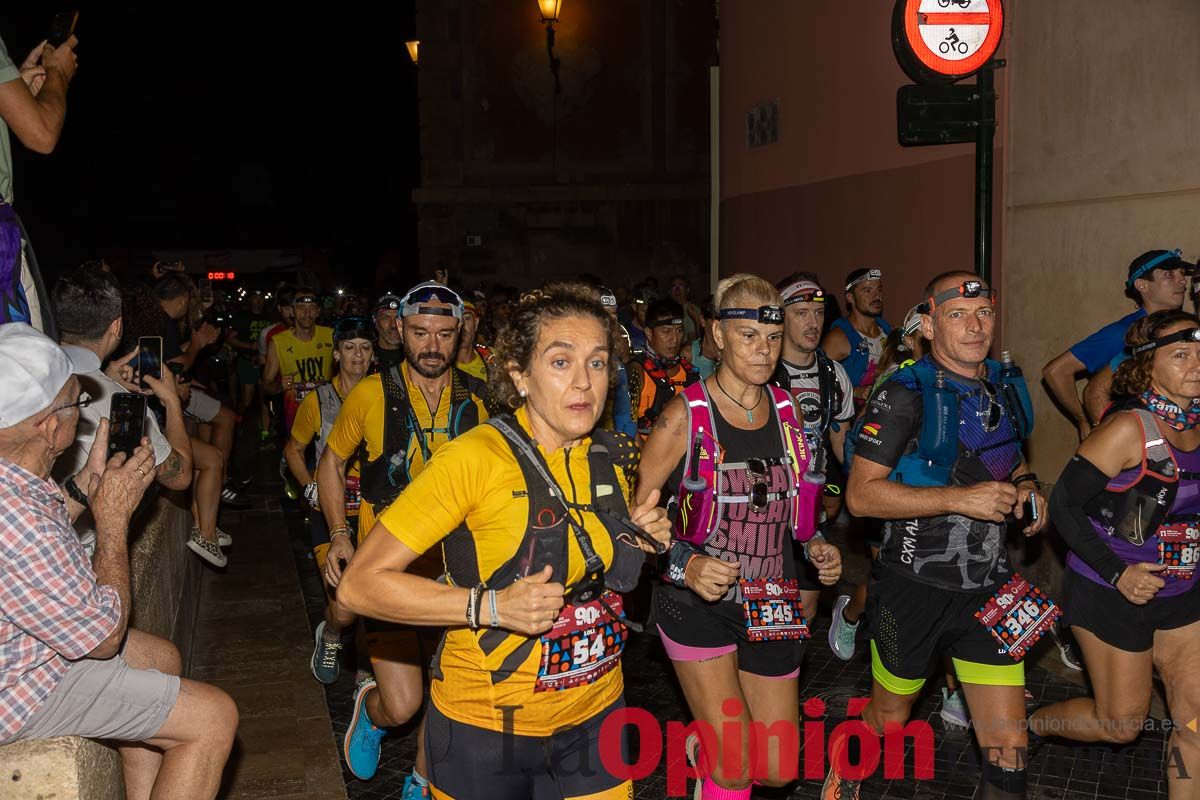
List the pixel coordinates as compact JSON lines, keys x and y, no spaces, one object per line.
{"x":477,"y":480}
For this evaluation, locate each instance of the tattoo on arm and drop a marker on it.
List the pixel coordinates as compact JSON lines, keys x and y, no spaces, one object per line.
{"x":171,"y":469}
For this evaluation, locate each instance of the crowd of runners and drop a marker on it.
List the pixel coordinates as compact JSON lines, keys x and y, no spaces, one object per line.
{"x":495,"y":497}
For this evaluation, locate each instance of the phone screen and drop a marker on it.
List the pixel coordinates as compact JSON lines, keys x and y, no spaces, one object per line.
{"x":126,"y":420}
{"x":62,"y":27}
{"x":149,"y":358}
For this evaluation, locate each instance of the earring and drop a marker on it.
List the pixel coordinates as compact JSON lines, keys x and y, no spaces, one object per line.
{"x":521,"y":392}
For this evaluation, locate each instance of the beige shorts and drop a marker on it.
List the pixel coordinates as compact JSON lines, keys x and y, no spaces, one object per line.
{"x":104,"y":700}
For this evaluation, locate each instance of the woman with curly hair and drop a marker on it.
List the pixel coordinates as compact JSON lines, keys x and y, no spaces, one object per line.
{"x":532,"y":513}
{"x":1128,"y":506}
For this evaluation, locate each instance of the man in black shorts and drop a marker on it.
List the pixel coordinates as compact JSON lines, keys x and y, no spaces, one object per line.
{"x":945,"y":493}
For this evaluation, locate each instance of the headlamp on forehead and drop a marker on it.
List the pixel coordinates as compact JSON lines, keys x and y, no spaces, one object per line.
{"x":767,"y":315}
{"x":415,"y":302}
{"x":658,"y":323}
{"x":304,"y":298}
{"x":869,"y":275}
{"x":607,"y":298}
{"x":389,"y":301}
{"x":803,"y":292}
{"x":970,"y":290}
{"x":1187,"y":335}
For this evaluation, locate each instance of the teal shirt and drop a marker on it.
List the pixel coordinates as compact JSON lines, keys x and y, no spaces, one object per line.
{"x":703,"y":365}
{"x":8,"y":72}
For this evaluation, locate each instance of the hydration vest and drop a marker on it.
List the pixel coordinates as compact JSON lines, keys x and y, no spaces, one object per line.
{"x":828,"y":387}
{"x":329,"y":403}
{"x":860,"y":357}
{"x":384,"y":478}
{"x":551,"y":528}
{"x":1136,"y":512}
{"x":937,"y":453}
{"x":664,"y":387}
{"x":701,"y":506}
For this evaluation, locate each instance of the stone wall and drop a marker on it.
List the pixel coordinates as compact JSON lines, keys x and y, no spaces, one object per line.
{"x":521,"y":185}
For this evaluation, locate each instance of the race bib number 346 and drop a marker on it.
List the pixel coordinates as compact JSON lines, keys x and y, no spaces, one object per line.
{"x":584,"y":644}
{"x":1018,"y":616}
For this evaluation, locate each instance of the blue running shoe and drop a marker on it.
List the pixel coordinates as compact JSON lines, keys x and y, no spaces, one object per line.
{"x":362,"y":742}
{"x":413,"y":790}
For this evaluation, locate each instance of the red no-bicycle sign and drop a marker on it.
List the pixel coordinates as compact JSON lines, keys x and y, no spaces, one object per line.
{"x":946,"y":40}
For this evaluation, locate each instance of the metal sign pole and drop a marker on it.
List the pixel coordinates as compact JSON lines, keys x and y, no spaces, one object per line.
{"x":985,"y":140}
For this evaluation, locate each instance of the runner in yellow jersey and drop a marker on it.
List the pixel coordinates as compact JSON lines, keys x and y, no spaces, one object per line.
{"x":532,"y":514}
{"x":302,"y":358}
{"x":402,"y":417}
{"x":353,"y":346}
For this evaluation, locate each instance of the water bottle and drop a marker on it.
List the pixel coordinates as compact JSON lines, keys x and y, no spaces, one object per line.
{"x":692,"y":482}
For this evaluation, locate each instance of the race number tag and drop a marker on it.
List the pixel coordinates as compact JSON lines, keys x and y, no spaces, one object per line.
{"x":584,"y":644}
{"x":1178,"y":549}
{"x":1017,"y":616}
{"x":773,"y":610}
{"x":353,"y":496}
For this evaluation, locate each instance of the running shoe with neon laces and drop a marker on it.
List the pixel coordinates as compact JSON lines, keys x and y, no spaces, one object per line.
{"x":362,"y":743}
{"x":325,"y":665}
{"x":838,"y":788}
{"x":954,"y":709}
{"x":841,"y":631}
{"x":413,"y":790}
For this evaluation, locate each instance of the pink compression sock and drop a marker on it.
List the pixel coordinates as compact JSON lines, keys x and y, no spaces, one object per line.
{"x":714,"y":792}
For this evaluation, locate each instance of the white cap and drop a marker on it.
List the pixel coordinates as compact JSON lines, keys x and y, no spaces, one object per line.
{"x":35,"y":370}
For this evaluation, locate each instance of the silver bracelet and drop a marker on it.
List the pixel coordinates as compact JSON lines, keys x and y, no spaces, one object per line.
{"x":492,"y":606}
{"x":472,"y":622}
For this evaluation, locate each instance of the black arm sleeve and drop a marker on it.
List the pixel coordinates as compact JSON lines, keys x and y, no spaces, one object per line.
{"x":1080,"y":482}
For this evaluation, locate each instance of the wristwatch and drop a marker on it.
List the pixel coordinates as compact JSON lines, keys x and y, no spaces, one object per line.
{"x":75,"y":492}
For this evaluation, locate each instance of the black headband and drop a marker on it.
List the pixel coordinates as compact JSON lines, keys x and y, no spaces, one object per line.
{"x":1186,"y":335}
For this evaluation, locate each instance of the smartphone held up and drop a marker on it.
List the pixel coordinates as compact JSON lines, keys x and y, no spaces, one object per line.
{"x":126,"y":423}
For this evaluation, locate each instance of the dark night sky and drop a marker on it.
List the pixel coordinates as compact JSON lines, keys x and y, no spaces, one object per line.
{"x":211,"y":126}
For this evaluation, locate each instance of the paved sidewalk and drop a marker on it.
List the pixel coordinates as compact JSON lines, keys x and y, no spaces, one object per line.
{"x":253,"y":641}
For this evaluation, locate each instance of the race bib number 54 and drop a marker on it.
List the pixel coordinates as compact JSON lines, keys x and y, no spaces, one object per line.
{"x":584,"y":644}
{"x":1018,"y":616}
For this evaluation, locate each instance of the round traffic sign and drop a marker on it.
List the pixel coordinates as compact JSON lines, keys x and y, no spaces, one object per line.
{"x":946,"y":40}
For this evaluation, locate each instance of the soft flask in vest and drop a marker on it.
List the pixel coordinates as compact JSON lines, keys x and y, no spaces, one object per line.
{"x":697,"y":503}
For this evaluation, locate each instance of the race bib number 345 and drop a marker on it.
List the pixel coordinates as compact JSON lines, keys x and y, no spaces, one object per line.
{"x":1018,"y":616}
{"x":584,"y":644}
{"x":773,"y":610}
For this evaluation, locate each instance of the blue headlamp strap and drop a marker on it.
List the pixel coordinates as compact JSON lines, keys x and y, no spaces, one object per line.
{"x":1151,"y":264}
{"x":767,"y":315}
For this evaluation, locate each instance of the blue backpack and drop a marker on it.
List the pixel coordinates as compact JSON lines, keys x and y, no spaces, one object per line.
{"x":932,"y":463}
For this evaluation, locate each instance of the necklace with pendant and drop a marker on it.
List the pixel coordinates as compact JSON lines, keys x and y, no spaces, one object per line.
{"x":748,"y":409}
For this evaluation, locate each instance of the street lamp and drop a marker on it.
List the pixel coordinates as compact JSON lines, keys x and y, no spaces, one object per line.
{"x":413,"y":46}
{"x":550,"y":9}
